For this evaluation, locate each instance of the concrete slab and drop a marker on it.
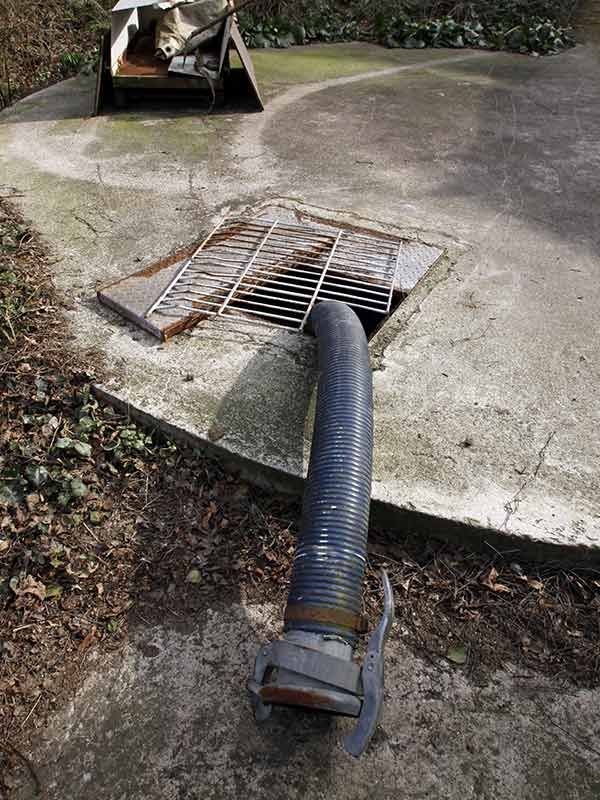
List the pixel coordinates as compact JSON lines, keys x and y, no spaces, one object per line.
{"x":486,"y":377}
{"x":169,"y":718}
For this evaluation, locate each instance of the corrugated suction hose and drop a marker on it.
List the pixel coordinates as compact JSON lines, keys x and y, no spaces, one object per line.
{"x":313,"y":664}
{"x":327,"y":579}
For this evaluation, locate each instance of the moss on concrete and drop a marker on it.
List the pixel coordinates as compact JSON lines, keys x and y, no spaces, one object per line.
{"x":322,"y":62}
{"x":277,"y":70}
{"x":131,"y":134}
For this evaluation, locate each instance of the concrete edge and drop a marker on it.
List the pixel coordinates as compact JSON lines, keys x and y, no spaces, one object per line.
{"x":105,"y":299}
{"x":383,"y":514}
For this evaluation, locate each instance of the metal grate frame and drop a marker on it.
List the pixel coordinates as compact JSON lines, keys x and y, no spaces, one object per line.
{"x":275,"y":271}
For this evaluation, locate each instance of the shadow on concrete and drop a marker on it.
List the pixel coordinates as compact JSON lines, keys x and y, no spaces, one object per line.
{"x":168,"y":714}
{"x":74,"y":99}
{"x":69,"y":99}
{"x":265,"y":411}
{"x":535,"y":153}
{"x":503,"y":133}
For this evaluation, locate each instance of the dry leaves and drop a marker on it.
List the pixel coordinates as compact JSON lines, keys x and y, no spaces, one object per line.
{"x":28,"y":585}
{"x":490,"y":581}
{"x":546,"y":618}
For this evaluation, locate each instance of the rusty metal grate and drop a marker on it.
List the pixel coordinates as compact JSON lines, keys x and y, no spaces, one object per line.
{"x":275,"y":271}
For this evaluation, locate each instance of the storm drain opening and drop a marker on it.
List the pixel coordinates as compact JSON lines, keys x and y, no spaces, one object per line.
{"x":295,"y":292}
{"x":275,"y":271}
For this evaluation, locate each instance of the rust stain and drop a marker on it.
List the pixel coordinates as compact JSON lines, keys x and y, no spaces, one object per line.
{"x":301,"y":216}
{"x":139,"y":60}
{"x":345,"y":619}
{"x":252,"y":284}
{"x":181,"y":325}
{"x":167,"y":261}
{"x":284,"y":695}
{"x":156,"y":266}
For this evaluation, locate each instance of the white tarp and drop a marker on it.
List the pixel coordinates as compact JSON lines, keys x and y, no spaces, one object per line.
{"x":176,"y":25}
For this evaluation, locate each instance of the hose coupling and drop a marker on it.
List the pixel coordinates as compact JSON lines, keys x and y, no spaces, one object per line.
{"x":317,"y":671}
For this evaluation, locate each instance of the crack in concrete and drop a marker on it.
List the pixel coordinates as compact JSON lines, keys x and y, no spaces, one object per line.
{"x":421,"y":454}
{"x":89,"y":225}
{"x":378,"y":355}
{"x":433,"y":237}
{"x":474,"y":338}
{"x":512,"y":506}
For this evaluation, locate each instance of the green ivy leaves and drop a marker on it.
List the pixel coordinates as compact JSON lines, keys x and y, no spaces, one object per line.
{"x":323,"y":23}
{"x":536,"y":36}
{"x":511,"y":30}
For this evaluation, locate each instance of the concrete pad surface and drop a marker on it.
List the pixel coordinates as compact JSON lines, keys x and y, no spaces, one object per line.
{"x":170,"y":720}
{"x":485,"y":378}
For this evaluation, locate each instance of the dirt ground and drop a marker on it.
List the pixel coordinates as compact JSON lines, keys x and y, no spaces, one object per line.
{"x":103,"y":523}
{"x":43,"y":42}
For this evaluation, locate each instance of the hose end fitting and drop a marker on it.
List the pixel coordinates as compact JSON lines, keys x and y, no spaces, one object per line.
{"x":317,"y":671}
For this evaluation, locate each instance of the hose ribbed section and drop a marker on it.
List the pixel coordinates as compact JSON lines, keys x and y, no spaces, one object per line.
{"x":329,"y":563}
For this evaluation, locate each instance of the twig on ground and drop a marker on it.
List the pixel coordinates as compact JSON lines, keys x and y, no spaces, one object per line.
{"x":33,"y":707}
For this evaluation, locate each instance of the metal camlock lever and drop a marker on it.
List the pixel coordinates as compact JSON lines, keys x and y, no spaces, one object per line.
{"x":317,"y":671}
{"x":372,"y":676}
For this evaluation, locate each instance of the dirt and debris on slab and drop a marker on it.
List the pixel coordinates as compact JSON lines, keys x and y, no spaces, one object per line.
{"x":103,"y":522}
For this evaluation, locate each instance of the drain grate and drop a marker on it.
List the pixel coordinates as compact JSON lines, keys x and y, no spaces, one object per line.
{"x":274,"y":271}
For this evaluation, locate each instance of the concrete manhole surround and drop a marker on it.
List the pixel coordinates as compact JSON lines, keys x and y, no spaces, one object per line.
{"x":242,"y":391}
{"x":271,"y":268}
{"x":245,"y":392}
